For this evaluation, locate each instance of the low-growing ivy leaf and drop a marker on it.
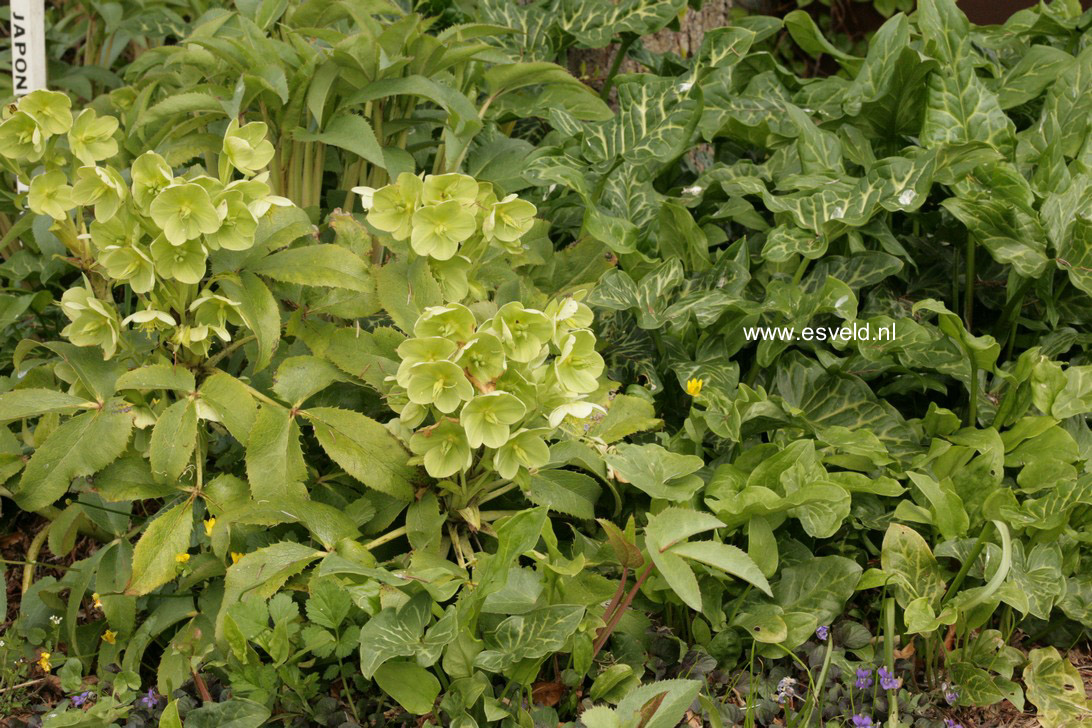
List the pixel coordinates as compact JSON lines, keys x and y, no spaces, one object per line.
{"x":412,"y":686}
{"x":365,"y":449}
{"x":173,"y":439}
{"x":394,"y":632}
{"x":532,"y":635}
{"x":81,"y":446}
{"x":907,"y":557}
{"x":234,"y":713}
{"x":657,"y":471}
{"x":1055,"y":688}
{"x":154,"y":557}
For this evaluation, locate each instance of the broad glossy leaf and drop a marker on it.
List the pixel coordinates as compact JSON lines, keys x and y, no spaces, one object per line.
{"x":658,"y":472}
{"x":1055,"y":688}
{"x":532,"y":635}
{"x":412,"y":686}
{"x":907,"y":557}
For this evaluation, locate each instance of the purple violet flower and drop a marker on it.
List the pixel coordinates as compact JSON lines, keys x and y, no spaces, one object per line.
{"x":949,"y":723}
{"x":151,"y":699}
{"x":888,"y":681}
{"x":864,"y":678}
{"x":823,"y":632}
{"x":863,"y":721}
{"x":81,"y":699}
{"x":951,"y":693}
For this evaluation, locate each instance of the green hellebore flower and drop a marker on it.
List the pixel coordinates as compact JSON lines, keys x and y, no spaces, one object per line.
{"x":194,"y":338}
{"x":22,"y":138}
{"x":454,"y":321}
{"x":577,"y":409}
{"x":50,"y":194}
{"x":119,"y":231}
{"x":392,"y":206}
{"x":523,"y":331}
{"x":94,"y":322}
{"x":483,"y":357}
{"x":526,"y":448}
{"x":257,"y":194}
{"x":101,"y":186}
{"x":131,"y":264}
{"x":184,"y":211}
{"x":451,"y":274}
{"x":445,"y":449}
{"x":91,"y":137}
{"x":441,"y":383}
{"x":487,"y":418}
{"x":51,"y":109}
{"x":415,"y":351}
{"x":184,"y":263}
{"x":569,"y":314}
{"x":246,"y":146}
{"x":216,"y":312}
{"x":449,"y":187}
{"x":150,"y":320}
{"x":438,"y":229}
{"x":151,"y":175}
{"x":238,"y":228}
{"x":509,"y":220}
{"x":579,"y":365}
{"x":412,"y":414}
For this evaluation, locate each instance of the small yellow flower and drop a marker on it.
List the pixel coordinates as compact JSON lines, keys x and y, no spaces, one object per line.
{"x":109,"y":636}
{"x":209,"y":525}
{"x":96,"y":601}
{"x":44,"y":663}
{"x":235,"y":556}
{"x":693,"y":387}
{"x":182,"y":558}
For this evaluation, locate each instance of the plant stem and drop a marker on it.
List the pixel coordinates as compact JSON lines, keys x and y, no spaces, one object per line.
{"x":608,"y":613}
{"x":385,"y":538}
{"x":889,"y":659}
{"x":968,"y":284}
{"x":616,"y":63}
{"x":621,"y":609}
{"x":32,"y":557}
{"x":967,"y":564}
{"x":817,"y":690}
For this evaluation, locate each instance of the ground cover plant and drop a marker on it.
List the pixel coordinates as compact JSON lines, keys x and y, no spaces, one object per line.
{"x":363,"y":366}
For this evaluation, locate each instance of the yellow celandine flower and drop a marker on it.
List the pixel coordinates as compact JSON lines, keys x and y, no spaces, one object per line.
{"x":182,"y":558}
{"x":209,"y":525}
{"x":693,"y":387}
{"x":96,"y":601}
{"x":109,"y":636}
{"x":44,"y":663}
{"x":235,"y":556}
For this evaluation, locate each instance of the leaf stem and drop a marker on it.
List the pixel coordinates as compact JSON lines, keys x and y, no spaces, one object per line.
{"x":889,"y":659}
{"x":616,"y":63}
{"x":385,"y":538}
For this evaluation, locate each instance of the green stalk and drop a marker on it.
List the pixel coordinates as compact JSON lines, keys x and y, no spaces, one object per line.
{"x":968,"y":284}
{"x":616,"y":63}
{"x":966,"y":567}
{"x":889,"y":659}
{"x":32,"y":557}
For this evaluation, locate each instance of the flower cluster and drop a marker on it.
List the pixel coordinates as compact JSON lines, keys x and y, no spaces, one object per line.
{"x":449,"y":219}
{"x":505,"y":383}
{"x":147,"y":225}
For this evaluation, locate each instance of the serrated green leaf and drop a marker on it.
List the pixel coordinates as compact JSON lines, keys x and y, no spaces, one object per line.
{"x":154,"y":562}
{"x":365,"y":449}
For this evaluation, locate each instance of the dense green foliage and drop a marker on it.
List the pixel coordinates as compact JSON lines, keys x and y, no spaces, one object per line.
{"x":503,"y":446}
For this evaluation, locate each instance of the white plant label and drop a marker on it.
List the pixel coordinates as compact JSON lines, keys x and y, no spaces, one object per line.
{"x":28,"y":64}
